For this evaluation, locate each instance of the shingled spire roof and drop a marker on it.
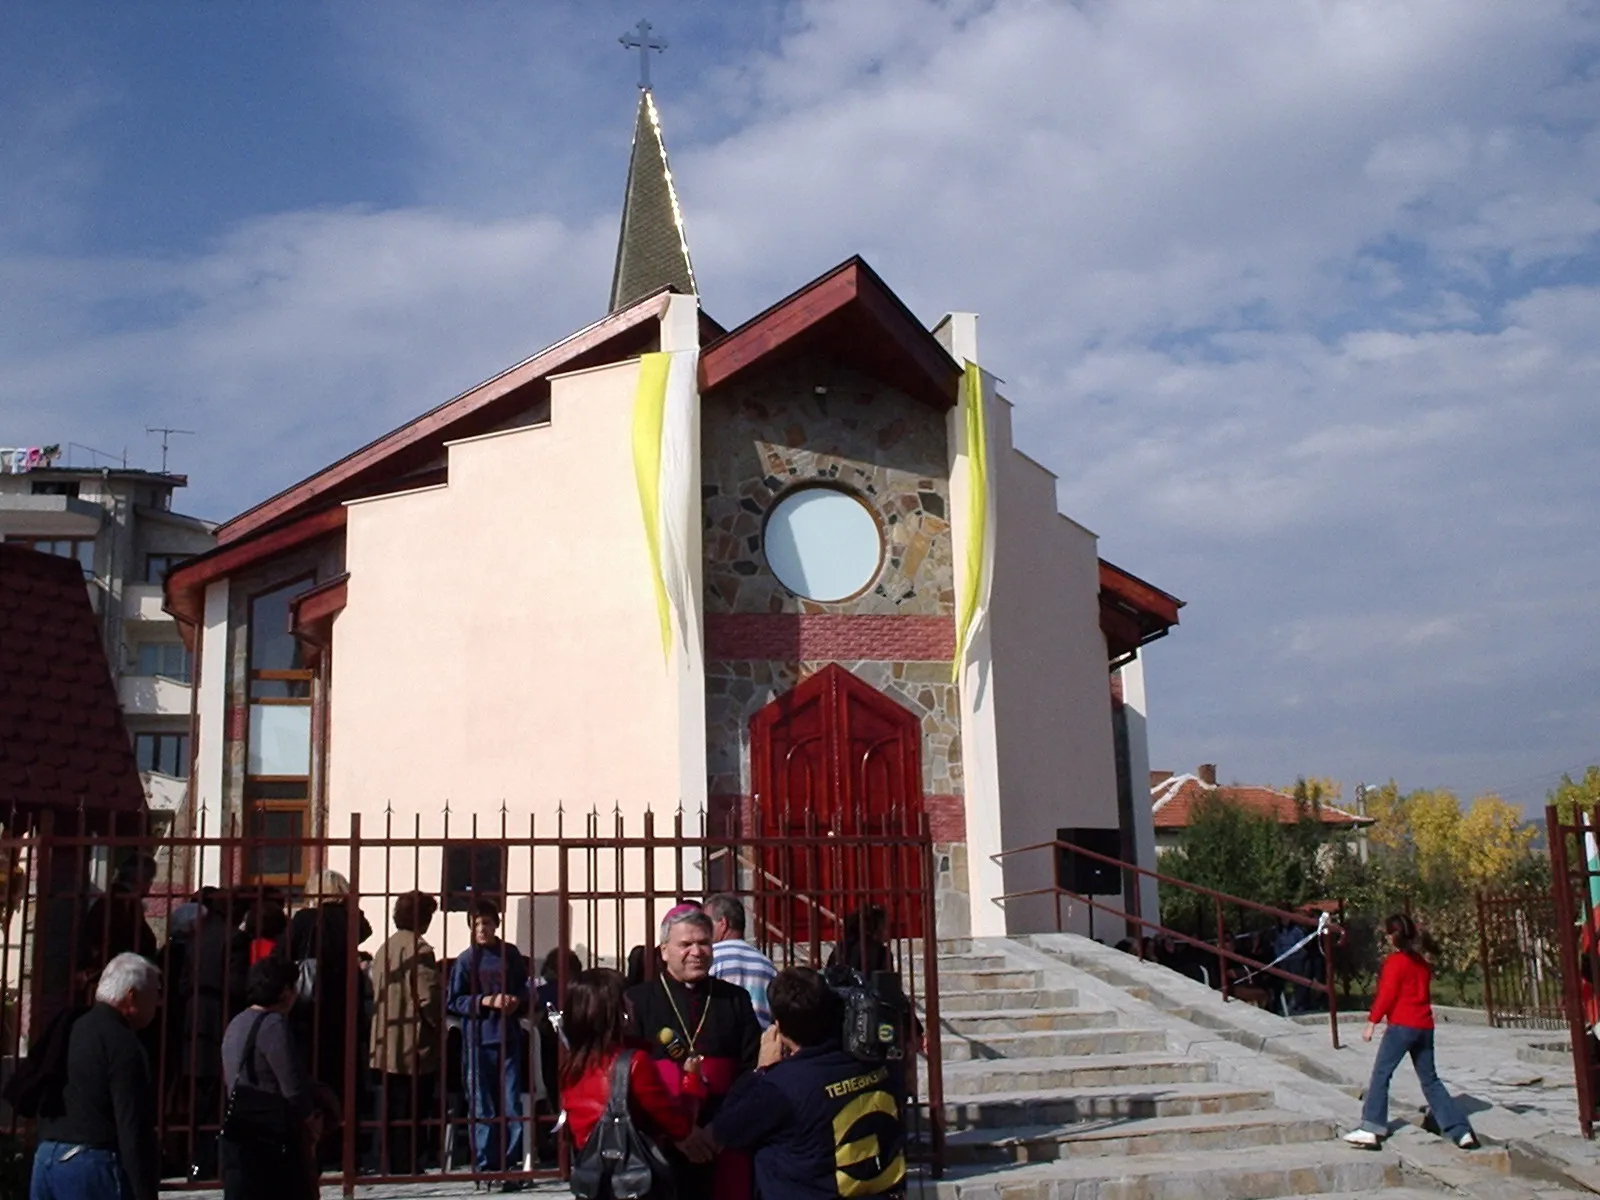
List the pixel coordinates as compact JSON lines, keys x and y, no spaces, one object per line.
{"x":652,"y":251}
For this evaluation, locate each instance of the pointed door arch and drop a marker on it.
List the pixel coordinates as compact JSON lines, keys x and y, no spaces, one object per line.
{"x":835,"y":757}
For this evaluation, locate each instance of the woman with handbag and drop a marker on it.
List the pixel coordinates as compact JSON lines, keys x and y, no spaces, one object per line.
{"x":594,"y":1020}
{"x":271,"y":1119}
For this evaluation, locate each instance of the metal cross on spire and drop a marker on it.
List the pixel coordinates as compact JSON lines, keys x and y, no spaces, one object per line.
{"x":639,"y":39}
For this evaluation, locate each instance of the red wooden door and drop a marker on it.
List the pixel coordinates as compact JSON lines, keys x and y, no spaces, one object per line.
{"x":835,"y":759}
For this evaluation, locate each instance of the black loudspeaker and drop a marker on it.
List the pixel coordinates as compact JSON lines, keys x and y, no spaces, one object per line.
{"x":1084,"y":875}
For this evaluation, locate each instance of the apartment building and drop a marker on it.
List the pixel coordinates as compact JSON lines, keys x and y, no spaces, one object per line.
{"x":118,"y":525}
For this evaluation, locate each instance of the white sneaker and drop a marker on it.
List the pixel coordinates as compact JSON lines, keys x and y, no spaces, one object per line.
{"x":1364,"y":1138}
{"x":1468,"y":1140}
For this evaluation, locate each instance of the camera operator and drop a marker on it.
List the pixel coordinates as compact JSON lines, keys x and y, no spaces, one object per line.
{"x":819,"y":1121}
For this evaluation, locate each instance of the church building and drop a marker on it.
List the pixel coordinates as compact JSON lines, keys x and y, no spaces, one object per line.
{"x":790,"y":570}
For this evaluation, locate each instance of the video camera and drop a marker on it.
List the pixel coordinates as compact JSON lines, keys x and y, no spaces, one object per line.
{"x":877,"y":1014}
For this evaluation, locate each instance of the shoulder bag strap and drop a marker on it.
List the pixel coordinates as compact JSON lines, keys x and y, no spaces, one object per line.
{"x":250,"y":1049}
{"x":621,"y":1070}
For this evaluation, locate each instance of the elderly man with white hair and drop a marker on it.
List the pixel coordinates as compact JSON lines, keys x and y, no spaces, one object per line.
{"x":103,"y":1145}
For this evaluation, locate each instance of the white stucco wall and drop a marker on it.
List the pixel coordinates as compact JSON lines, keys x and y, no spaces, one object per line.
{"x":210,"y":728}
{"x":1137,"y":713}
{"x":1055,"y":755}
{"x":501,"y":644}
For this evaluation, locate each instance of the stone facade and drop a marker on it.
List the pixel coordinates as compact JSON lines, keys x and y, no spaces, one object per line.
{"x":804,"y":422}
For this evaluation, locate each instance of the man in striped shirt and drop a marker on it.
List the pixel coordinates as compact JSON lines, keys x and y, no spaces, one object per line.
{"x":735,"y":959}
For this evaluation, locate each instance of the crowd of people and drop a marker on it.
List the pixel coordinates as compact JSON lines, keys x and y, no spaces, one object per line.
{"x":734,"y":1069}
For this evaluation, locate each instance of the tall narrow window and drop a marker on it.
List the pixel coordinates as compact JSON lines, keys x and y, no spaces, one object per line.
{"x":277,"y":788}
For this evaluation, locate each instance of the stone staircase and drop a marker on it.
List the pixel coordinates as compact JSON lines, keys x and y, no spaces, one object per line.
{"x":1052,"y":1093}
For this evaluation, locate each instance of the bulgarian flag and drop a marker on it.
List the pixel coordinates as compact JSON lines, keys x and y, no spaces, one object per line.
{"x":665,"y":434}
{"x":973,"y":602}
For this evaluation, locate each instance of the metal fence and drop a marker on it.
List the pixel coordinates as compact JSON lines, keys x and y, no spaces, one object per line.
{"x":573,"y":893}
{"x":1235,"y":970}
{"x":1520,"y":957}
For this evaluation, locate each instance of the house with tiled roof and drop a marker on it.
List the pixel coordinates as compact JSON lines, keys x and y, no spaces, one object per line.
{"x":63,"y":743}
{"x":1174,"y":800}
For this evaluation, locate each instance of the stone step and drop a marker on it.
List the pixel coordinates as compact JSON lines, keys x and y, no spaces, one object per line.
{"x":1276,"y":1171}
{"x":1156,"y":1135}
{"x":1052,"y":1043}
{"x":991,"y":979}
{"x":961,"y":1000}
{"x":1027,"y":1020}
{"x":982,"y":1076}
{"x":1390,"y":1193}
{"x":1063,"y":1106}
{"x":971,"y":962}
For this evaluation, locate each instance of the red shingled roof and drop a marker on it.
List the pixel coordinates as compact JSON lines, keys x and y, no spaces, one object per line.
{"x":62,"y":740}
{"x":1174,"y":801}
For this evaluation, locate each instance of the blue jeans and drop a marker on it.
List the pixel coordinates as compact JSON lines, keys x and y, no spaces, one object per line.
{"x":65,"y":1172}
{"x":494,"y":1101}
{"x":1399,"y":1041}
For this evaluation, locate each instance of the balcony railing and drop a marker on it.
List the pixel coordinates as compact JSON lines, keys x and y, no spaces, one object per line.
{"x":154,"y":696}
{"x":163,"y":792}
{"x":142,"y":602}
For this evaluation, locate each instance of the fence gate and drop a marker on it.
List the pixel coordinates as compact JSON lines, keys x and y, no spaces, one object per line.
{"x":1520,"y":956}
{"x":1575,"y":898}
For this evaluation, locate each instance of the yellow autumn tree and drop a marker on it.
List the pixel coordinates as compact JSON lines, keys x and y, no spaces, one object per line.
{"x":1386,"y":806}
{"x":1492,"y":841}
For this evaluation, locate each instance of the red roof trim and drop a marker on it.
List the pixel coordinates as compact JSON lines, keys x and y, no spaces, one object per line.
{"x":433,"y":425}
{"x":837,"y":308}
{"x":1133,"y":592}
{"x":186,"y":586}
{"x":313,"y":610}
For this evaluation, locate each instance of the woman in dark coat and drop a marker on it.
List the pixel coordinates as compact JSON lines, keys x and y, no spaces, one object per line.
{"x":319,"y":935}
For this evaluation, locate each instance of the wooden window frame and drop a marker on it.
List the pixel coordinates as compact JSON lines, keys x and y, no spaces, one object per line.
{"x":300,"y":805}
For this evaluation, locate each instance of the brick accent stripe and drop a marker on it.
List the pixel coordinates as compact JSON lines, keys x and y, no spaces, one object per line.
{"x":796,"y":637}
{"x":947,"y":817}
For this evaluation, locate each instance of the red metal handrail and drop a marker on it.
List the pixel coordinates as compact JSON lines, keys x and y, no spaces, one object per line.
{"x":1330,"y":931}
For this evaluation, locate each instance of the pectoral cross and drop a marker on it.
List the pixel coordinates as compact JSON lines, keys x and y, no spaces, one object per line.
{"x":641,"y":41}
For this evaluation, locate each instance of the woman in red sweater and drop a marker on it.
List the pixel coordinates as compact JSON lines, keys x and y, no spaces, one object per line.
{"x":593,"y":1022}
{"x":1403,"y":998}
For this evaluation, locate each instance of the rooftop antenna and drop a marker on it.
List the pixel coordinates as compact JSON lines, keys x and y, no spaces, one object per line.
{"x":166,"y":432}
{"x":639,"y":39}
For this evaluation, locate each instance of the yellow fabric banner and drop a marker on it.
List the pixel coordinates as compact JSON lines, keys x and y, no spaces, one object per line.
{"x":649,"y":411}
{"x":974,"y":598}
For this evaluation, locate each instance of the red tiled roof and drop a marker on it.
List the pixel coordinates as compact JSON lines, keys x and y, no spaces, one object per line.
{"x":1175,"y":799}
{"x":62,"y":740}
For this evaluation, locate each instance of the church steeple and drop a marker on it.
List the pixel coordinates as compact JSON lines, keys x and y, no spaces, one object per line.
{"x":652,"y":249}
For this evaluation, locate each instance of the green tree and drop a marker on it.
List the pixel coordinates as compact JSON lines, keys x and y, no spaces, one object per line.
{"x":1233,"y":850}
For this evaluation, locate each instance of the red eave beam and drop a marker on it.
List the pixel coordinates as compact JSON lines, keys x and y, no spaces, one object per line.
{"x":186,"y":586}
{"x":1135,"y":593}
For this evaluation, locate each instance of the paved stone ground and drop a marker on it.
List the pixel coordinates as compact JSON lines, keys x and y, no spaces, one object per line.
{"x":1528,"y":1109}
{"x":1507,"y":1068}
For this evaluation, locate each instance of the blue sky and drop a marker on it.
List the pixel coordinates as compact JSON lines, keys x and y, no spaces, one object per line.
{"x":1298,"y":298}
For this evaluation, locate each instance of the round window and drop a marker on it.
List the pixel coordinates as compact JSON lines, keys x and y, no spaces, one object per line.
{"x":823,"y":543}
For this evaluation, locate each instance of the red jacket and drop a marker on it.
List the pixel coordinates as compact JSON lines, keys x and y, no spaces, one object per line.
{"x":1403,"y":993}
{"x":652,"y":1106}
